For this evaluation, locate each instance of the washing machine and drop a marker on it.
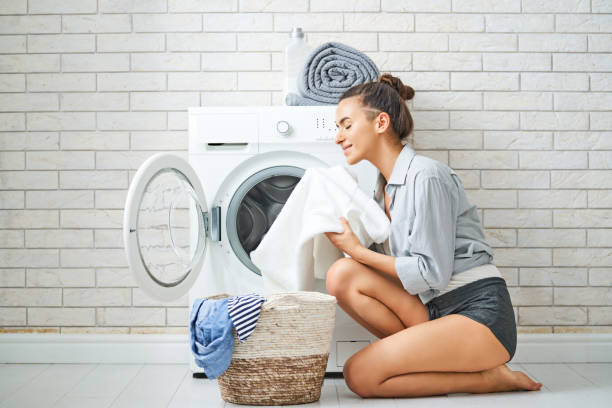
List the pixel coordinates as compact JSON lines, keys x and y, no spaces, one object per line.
{"x":190,"y":224}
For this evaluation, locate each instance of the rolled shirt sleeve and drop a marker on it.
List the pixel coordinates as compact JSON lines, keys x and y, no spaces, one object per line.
{"x":432,"y":239}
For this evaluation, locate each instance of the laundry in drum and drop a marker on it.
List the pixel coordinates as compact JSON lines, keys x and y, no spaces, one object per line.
{"x":210,"y":329}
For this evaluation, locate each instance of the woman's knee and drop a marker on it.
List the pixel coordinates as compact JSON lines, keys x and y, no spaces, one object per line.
{"x":339,"y":275}
{"x":356,"y":377}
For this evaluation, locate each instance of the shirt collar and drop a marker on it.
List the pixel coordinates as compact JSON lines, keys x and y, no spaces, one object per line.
{"x":400,"y":169}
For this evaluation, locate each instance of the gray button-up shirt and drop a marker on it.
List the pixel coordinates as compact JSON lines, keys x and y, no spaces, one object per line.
{"x":435,"y":231}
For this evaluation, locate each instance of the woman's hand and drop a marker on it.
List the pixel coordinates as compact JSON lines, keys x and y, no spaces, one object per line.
{"x":346,"y":240}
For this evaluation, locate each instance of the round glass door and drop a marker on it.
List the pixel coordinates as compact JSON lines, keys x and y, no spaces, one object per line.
{"x":164,"y":226}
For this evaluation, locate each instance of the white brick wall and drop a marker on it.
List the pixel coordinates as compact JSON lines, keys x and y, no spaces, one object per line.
{"x":516,"y":95}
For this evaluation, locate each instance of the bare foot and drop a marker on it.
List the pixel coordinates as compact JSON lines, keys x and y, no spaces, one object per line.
{"x":503,"y":379}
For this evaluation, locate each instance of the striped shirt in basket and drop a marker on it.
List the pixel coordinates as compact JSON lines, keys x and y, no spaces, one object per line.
{"x":244,"y":313}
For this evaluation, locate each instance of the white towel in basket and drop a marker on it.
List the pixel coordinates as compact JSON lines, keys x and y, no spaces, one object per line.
{"x":295,"y":249}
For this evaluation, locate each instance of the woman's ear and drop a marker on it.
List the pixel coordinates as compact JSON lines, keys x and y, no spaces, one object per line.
{"x":383,"y":121}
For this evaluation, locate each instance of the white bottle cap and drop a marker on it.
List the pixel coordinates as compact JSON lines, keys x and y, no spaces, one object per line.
{"x":297,"y":33}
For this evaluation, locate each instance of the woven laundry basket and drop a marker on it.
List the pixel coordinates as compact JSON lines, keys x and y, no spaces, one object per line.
{"x":284,"y":359}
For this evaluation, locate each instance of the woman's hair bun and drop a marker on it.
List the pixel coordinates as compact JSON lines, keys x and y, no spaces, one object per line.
{"x":406,"y":92}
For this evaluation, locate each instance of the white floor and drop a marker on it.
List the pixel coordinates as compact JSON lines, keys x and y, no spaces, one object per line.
{"x":172,"y":385}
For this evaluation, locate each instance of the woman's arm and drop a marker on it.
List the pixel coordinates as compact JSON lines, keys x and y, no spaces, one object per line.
{"x":382,"y":262}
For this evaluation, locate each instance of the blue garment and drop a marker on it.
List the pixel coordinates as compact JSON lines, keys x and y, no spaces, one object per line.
{"x":244,"y":312}
{"x":210,"y":329}
{"x":212,"y":339}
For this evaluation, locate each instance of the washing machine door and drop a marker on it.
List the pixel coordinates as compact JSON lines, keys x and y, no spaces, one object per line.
{"x":164,"y":226}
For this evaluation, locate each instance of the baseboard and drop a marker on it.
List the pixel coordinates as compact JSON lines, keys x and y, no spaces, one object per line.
{"x":174,"y":349}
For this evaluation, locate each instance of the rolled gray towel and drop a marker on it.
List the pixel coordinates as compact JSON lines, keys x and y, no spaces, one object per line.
{"x":331,"y":69}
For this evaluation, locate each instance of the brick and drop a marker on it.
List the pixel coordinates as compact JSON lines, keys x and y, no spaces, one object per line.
{"x":486,"y":6}
{"x":12,"y":161}
{"x":516,"y":23}
{"x":552,"y":42}
{"x":447,"y":100}
{"x":484,"y":120}
{"x":500,"y":238}
{"x":531,"y":296}
{"x":552,"y":199}
{"x":475,"y":159}
{"x":591,"y":101}
{"x":583,"y":218}
{"x":29,"y":63}
{"x":64,"y":238}
{"x":449,"y":23}
{"x":109,"y":238}
{"x":65,"y":7}
{"x":282,"y":22}
{"x":601,"y":82}
{"x":583,"y":296}
{"x":11,"y":200}
{"x":92,"y":258}
{"x":554,"y":82}
{"x":518,"y":140}
{"x":411,"y":6}
{"x":518,"y":101}
{"x":556,"y":6}
{"x":582,"y":62}
{"x":581,"y":179}
{"x":122,"y":316}
{"x":131,"y":121}
{"x":589,"y":23}
{"x":600,"y":315}
{"x":165,"y":62}
{"x":30,"y":24}
{"x":554,"y":120}
{"x":319,"y":5}
{"x":12,"y":44}
{"x":164,"y":140}
{"x":133,"y":6}
{"x":97,"y":297}
{"x":29,"y":140}
{"x":446,"y":61}
{"x":429,"y":120}
{"x":92,"y":179}
{"x":61,"y":82}
{"x":13,"y":7}
{"x":24,"y":180}
{"x":29,"y":258}
{"x":553,"y":276}
{"x":600,"y":120}
{"x":142,"y":299}
{"x":516,"y":218}
{"x":553,"y":160}
{"x":107,"y":199}
{"x":27,"y":102}
{"x":600,"y":198}
{"x":561,"y":315}
{"x":61,"y":121}
{"x":516,"y":61}
{"x":60,"y":277}
{"x":373,"y":21}
{"x":600,"y":160}
{"x":365,"y":42}
{"x":95,"y":140}
{"x":600,"y":42}
{"x":599,"y":237}
{"x":11,"y":239}
{"x":523,"y":257}
{"x":184,"y":81}
{"x":494,"y":81}
{"x":61,"y":316}
{"x":104,"y":23}
{"x":61,"y":43}
{"x":59,"y":160}
{"x":132,"y":81}
{"x":95,"y":62}
{"x":155,"y":23}
{"x":12,"y":121}
{"x":447,"y":139}
{"x":30,"y":297}
{"x":551,"y":237}
{"x":164,"y":101}
{"x":94,"y":101}
{"x":59,"y":199}
{"x":201,"y":42}
{"x":600,"y":276}
{"x":532,"y":179}
{"x":114,"y":277}
{"x":492,"y":198}
{"x":601,"y":6}
{"x":582,"y":257}
{"x":583,"y":140}
{"x":123,"y":160}
{"x":482,"y":42}
{"x":12,"y":83}
{"x":206,"y":6}
{"x":130,"y":42}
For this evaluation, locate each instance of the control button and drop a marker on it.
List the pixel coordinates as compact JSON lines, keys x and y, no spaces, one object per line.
{"x":283,"y":128}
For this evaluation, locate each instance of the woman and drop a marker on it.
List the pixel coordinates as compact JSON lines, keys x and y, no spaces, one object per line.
{"x":431,"y":293}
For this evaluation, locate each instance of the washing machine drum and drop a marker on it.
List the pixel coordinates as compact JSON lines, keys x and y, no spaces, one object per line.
{"x":254,"y":207}
{"x":260,"y":207}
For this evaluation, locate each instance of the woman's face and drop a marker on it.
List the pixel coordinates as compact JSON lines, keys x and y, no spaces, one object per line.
{"x":356,"y":133}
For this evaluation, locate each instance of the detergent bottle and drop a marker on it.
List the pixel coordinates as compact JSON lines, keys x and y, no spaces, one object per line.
{"x":296,"y":54}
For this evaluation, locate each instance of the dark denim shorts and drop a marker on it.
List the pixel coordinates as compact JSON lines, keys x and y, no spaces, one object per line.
{"x":487,"y":301}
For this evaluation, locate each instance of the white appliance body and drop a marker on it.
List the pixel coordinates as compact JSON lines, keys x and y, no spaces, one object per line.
{"x":232,"y":150}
